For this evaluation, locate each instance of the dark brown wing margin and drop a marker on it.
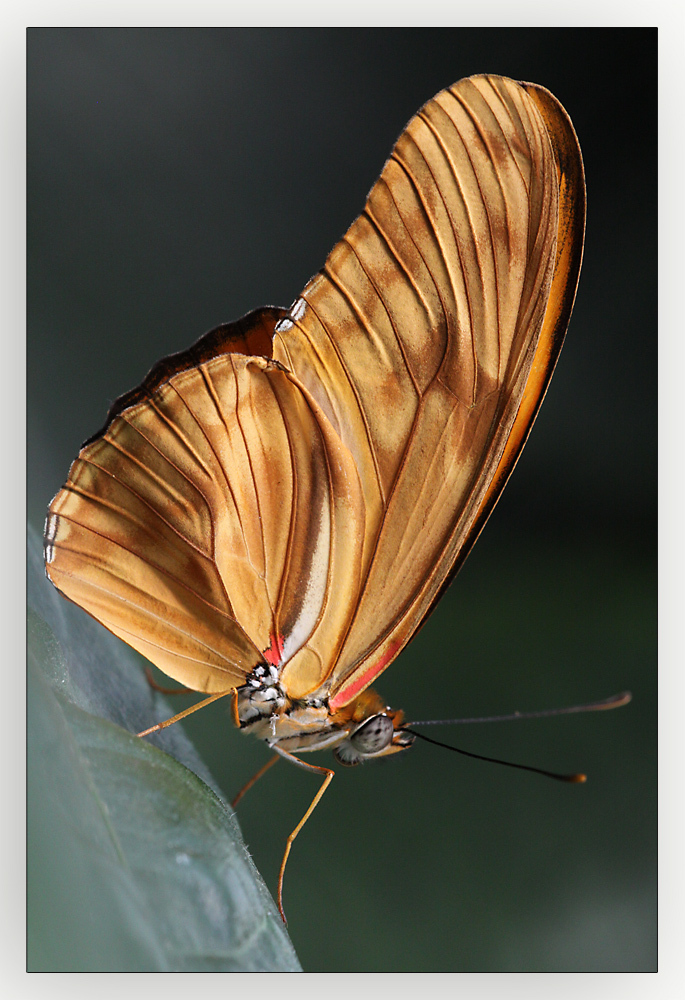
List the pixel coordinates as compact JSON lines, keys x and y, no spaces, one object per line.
{"x":251,"y":334}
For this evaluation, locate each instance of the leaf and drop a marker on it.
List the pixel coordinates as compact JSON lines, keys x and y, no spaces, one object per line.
{"x":135,"y":861}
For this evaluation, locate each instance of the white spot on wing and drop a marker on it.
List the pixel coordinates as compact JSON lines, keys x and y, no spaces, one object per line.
{"x":50,"y":533}
{"x":283,"y":325}
{"x":312,"y":602}
{"x":297,"y":309}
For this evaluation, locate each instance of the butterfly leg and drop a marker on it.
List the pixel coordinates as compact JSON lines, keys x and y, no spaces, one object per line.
{"x":187,"y":711}
{"x":255,"y":778}
{"x":158,"y":687}
{"x":315,"y":801}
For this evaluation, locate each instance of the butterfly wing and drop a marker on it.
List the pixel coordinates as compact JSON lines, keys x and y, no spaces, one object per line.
{"x":206,"y":519}
{"x":569,"y":254}
{"x":306,"y":500}
{"x":428,"y":340}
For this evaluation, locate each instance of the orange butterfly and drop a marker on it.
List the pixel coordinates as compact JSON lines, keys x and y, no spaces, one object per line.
{"x":274,"y":512}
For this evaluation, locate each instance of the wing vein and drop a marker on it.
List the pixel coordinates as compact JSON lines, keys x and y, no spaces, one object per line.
{"x":387,"y":312}
{"x":153,"y":566}
{"x":276,"y":612}
{"x":209,"y":387}
{"x":354,"y":391}
{"x":262,"y":576}
{"x":467,"y":293}
{"x":478,"y":129}
{"x":407,"y":272}
{"x":80,"y":491}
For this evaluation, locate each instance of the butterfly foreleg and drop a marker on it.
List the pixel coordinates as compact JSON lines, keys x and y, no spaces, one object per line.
{"x":186,"y":711}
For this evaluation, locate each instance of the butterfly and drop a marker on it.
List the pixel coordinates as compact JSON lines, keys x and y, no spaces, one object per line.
{"x":274,"y":512}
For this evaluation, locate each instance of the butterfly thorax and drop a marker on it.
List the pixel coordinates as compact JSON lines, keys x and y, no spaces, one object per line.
{"x":364,"y":728}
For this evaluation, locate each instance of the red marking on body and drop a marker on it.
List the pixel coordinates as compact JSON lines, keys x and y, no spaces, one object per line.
{"x":350,"y":691}
{"x":274,"y":654}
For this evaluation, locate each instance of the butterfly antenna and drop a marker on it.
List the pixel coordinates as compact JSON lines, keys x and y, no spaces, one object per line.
{"x":615,"y":701}
{"x":574,"y":779}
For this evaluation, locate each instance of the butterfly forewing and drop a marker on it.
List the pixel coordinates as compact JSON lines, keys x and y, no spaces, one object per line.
{"x":431,"y":307}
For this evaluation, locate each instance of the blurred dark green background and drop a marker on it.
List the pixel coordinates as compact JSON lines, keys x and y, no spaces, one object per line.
{"x":179,"y":178}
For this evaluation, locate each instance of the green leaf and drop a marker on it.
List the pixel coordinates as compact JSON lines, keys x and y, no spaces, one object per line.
{"x":135,"y":861}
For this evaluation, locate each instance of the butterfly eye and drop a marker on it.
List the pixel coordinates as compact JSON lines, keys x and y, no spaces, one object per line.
{"x":373,"y":735}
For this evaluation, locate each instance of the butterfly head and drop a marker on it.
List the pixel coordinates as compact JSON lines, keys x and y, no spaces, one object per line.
{"x":375,"y":737}
{"x":371,"y":730}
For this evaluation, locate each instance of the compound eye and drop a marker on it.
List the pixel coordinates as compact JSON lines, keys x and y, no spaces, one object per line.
{"x":373,"y":735}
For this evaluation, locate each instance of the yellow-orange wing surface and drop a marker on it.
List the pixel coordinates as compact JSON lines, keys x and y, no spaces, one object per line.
{"x":192,"y":519}
{"x":429,"y":339}
{"x":299,"y":487}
